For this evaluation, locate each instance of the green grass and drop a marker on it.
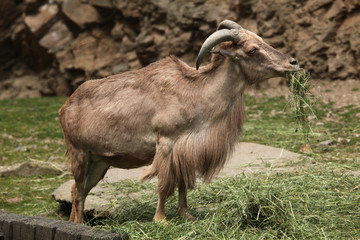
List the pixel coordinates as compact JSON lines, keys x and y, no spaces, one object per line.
{"x":320,"y":201}
{"x":279,"y":130}
{"x":30,"y":195}
{"x":30,"y":129}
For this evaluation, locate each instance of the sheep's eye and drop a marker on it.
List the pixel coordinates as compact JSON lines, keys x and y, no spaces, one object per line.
{"x":252,"y":51}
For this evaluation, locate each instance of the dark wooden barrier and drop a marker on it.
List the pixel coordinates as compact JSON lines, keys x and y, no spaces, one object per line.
{"x":18,"y":227}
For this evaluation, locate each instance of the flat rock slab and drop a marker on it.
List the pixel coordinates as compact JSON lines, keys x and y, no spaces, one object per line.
{"x":247,"y":157}
{"x":31,"y":168}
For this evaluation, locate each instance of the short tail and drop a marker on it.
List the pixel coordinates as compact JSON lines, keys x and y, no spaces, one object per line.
{"x":149,"y":174}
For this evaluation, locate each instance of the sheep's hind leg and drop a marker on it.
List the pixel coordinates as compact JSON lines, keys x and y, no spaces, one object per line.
{"x":96,"y":171}
{"x":78,"y":168}
{"x":86,"y":176}
{"x":76,"y":214}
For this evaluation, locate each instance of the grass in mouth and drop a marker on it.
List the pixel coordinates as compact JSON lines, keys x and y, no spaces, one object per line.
{"x":301,"y":100}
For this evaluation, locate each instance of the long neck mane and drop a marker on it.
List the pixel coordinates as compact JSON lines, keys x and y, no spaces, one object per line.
{"x":206,"y":150}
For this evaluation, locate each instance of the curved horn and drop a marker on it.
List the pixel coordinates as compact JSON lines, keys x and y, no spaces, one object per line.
{"x":214,"y":39}
{"x":229,"y":25}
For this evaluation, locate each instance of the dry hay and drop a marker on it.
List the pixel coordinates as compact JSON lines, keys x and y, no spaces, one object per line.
{"x":301,"y":100}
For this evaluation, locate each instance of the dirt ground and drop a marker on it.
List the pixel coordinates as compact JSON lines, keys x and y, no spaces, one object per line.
{"x":341,"y":93}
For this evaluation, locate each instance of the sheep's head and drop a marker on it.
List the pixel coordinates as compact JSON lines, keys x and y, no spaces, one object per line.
{"x":256,"y":58}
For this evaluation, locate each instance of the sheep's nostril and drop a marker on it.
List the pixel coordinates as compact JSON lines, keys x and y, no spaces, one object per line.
{"x":293,"y":62}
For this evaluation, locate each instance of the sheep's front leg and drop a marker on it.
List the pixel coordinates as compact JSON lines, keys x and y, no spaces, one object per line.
{"x":160,"y":210}
{"x":164,"y":168}
{"x":183,"y":211}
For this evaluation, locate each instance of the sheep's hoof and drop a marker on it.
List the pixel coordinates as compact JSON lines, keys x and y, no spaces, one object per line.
{"x":187,"y":216}
{"x":162,"y":221}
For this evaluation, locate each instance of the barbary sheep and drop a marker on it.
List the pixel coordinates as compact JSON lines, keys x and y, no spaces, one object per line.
{"x":180,"y":120}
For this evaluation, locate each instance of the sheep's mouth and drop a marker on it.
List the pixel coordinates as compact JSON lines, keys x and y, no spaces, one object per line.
{"x":297,"y":68}
{"x":292,"y":71}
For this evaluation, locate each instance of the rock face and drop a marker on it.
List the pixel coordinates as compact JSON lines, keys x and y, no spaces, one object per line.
{"x":65,"y":42}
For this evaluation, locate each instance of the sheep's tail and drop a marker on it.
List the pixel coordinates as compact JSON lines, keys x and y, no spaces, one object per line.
{"x":163,"y":168}
{"x":149,"y":174}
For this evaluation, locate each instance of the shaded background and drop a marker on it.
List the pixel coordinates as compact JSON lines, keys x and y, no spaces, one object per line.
{"x":50,"y":47}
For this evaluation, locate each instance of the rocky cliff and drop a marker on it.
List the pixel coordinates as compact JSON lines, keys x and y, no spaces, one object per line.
{"x":50,"y":47}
